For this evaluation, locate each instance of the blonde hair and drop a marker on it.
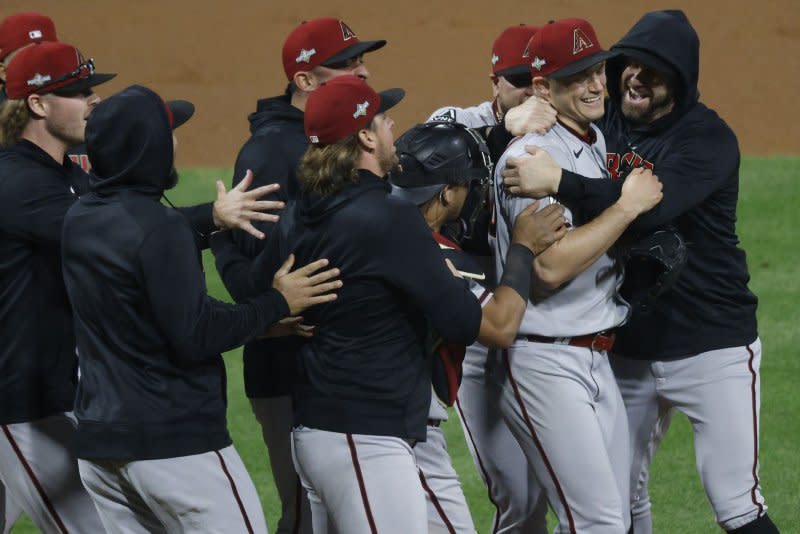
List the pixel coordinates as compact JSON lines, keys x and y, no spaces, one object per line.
{"x":327,"y":169}
{"x":14,"y":115}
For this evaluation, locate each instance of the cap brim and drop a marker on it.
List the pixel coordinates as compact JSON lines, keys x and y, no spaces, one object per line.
{"x":182,"y":111}
{"x":510,"y":71}
{"x":356,"y":50}
{"x":583,"y":64}
{"x":390,"y":98}
{"x":417,"y":195}
{"x":82,"y":84}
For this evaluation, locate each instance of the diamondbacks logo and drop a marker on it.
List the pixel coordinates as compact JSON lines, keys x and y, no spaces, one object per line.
{"x":347,"y":33}
{"x":361,"y":109}
{"x":305,"y":55}
{"x":538,"y":63}
{"x":580,"y":41}
{"x":495,"y":59}
{"x":35,"y":34}
{"x":39,"y":80}
{"x":447,"y":115}
{"x":619,"y":165}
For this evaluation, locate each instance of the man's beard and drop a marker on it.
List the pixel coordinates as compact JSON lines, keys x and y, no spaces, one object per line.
{"x":172,"y":179}
{"x":645,"y":116}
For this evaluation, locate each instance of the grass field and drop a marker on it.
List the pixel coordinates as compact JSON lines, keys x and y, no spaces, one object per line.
{"x":768,"y":221}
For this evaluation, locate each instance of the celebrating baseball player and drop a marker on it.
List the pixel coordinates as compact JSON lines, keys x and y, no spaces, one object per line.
{"x":560,"y":398}
{"x":314,"y":52}
{"x":150,"y":405}
{"x":519,"y":502}
{"x":697,"y":349}
{"x":442,"y":165}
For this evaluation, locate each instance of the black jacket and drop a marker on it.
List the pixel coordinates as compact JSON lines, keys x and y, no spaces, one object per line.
{"x":152,"y":379}
{"x":696,"y":156}
{"x":273,"y":152}
{"x":37,"y":343}
{"x":365,"y":370}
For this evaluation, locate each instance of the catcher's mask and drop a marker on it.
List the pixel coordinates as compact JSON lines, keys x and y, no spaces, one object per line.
{"x":652,"y":266}
{"x":436,"y":154}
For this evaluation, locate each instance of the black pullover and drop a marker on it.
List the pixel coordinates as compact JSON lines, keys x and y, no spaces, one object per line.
{"x":152,"y":379}
{"x":696,"y":156}
{"x":365,"y":370}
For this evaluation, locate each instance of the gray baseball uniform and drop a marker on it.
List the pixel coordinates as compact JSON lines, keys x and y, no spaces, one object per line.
{"x":561,"y":400}
{"x":517,"y":497}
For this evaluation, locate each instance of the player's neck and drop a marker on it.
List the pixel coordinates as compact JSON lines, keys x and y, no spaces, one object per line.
{"x":36,"y":134}
{"x":579,"y":128}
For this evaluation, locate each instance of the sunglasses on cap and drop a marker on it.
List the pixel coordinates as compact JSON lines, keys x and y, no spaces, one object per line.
{"x":520,"y":81}
{"x":78,"y":73}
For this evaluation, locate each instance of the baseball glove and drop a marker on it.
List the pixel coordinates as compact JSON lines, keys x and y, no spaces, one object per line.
{"x":652,"y":267}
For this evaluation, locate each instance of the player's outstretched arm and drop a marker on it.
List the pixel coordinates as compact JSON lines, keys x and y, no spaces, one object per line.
{"x":577,"y":250}
{"x":239,"y":208}
{"x":534,"y":232}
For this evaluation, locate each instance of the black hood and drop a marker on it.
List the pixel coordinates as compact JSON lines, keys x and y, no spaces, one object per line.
{"x":314,"y":208}
{"x":129,"y":142}
{"x":276,"y":109}
{"x":661,"y":40}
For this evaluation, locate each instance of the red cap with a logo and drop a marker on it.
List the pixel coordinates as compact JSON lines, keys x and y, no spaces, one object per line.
{"x":508,"y":51}
{"x":342,"y":106}
{"x":22,"y":29}
{"x":51,"y":67}
{"x":321,"y":42}
{"x":565,"y":47}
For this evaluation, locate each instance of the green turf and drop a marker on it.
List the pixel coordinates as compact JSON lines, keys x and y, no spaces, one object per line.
{"x":769,"y":200}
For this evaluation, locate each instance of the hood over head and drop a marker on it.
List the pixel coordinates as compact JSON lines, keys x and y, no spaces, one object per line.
{"x":129,"y":142}
{"x":275,"y":110}
{"x":666,"y":42}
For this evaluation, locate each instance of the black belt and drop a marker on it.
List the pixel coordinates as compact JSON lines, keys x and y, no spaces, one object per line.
{"x":597,"y":341}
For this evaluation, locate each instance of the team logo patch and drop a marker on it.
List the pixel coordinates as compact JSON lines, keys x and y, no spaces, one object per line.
{"x":538,"y":63}
{"x":495,"y":59}
{"x":305,"y":55}
{"x":448,"y":115}
{"x":39,"y":80}
{"x":361,"y":109}
{"x":313,"y":139}
{"x":347,"y":33}
{"x":35,"y":34}
{"x":580,"y":41}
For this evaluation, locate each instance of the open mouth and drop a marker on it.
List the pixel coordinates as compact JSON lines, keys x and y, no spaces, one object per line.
{"x":637,"y":96}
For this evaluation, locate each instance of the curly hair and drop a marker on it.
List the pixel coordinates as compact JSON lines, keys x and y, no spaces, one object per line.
{"x":14,"y":115}
{"x":325,"y":170}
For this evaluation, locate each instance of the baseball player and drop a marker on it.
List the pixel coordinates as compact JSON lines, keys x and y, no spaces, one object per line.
{"x":560,"y":397}
{"x":314,"y":52}
{"x":705,"y":325}
{"x":519,"y":503}
{"x":153,"y":447}
{"x":443,"y":164}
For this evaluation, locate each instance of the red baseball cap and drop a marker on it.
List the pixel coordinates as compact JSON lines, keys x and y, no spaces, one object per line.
{"x":320,"y":42}
{"x":342,"y":106}
{"x":22,"y":29}
{"x":565,"y":47}
{"x":509,"y":49}
{"x":51,"y":67}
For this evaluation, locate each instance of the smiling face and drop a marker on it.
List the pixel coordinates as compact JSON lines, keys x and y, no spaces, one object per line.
{"x":646,"y":95}
{"x":578,"y":99}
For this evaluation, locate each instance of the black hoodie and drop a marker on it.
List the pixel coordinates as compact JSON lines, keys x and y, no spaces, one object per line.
{"x":365,"y":370}
{"x":696,"y":156}
{"x":273,"y":152}
{"x":149,"y":337}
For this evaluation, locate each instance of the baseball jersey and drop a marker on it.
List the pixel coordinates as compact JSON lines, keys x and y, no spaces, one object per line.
{"x":484,"y":114}
{"x":588,"y":303}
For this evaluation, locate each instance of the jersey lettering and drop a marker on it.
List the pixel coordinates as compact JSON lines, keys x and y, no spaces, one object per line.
{"x":82,"y":160}
{"x":620,"y":165}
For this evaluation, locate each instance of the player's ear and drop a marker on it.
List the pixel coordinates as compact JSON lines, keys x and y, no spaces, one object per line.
{"x":368,"y":139}
{"x":305,"y":81}
{"x":37,"y":105}
{"x":541,"y":87}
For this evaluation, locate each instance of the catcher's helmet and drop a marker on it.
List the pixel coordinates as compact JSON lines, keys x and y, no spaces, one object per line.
{"x":652,"y":267}
{"x":435,"y":154}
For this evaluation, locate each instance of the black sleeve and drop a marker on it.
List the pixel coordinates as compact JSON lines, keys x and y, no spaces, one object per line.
{"x":197,"y":326}
{"x":498,"y":139}
{"x":697,"y":164}
{"x":415,"y":264}
{"x":201,"y":219}
{"x":233,"y":266}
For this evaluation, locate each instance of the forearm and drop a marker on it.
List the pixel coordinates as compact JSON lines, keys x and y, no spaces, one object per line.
{"x":501,"y":318}
{"x":580,"y":248}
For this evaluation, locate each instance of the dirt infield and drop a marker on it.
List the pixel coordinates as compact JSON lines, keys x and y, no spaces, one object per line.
{"x":224,"y":56}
